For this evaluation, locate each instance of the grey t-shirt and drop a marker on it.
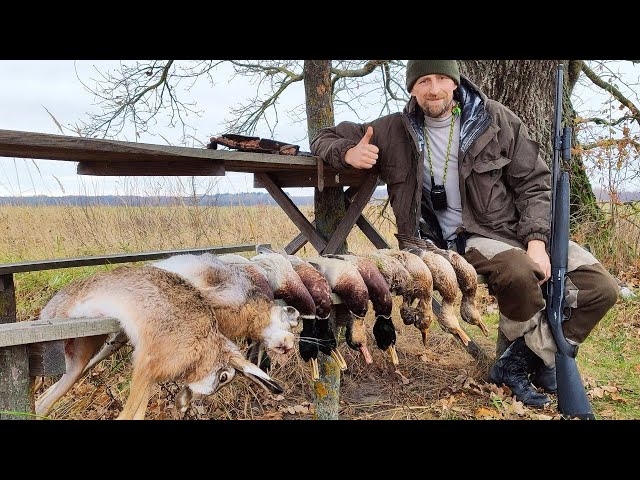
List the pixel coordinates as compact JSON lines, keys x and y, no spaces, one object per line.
{"x":438,"y":131}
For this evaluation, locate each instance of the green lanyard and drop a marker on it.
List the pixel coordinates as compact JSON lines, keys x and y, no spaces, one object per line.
{"x":446,"y":161}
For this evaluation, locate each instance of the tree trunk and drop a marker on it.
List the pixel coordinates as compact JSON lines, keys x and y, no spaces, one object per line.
{"x":528,"y":88}
{"x":329,"y":210}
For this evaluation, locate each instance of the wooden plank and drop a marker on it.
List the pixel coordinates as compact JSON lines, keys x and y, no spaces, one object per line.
{"x":20,"y":144}
{"x":153,"y":168}
{"x":320,"y":176}
{"x":354,"y":211}
{"x":364,"y":225}
{"x":292,"y":212}
{"x":298,"y":242}
{"x":46,"y":359}
{"x":300,"y":178}
{"x":369,"y":230}
{"x":34,"y":331}
{"x":15,"y":383}
{"x":116,"y":258}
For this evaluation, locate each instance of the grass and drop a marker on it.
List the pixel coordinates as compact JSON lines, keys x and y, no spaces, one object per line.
{"x":443,"y":383}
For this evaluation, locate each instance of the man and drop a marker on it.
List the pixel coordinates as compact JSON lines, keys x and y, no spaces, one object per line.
{"x":461,"y":170}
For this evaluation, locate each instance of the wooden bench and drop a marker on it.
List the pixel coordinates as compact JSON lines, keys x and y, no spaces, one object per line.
{"x":34,"y":348}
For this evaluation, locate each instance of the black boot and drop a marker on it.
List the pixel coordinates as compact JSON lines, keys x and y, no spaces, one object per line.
{"x":545,"y":377}
{"x":513,"y":368}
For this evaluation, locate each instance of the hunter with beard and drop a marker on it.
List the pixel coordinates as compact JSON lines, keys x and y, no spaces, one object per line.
{"x":461,"y":171}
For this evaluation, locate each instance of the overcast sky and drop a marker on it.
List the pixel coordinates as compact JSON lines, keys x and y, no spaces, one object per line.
{"x":28,"y":87}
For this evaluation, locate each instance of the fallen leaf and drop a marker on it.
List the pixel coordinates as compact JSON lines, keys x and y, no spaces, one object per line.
{"x":610,"y":389}
{"x":300,"y":409}
{"x":278,"y":398}
{"x":291,"y":410}
{"x":618,"y":398}
{"x":518,"y":407}
{"x":271,"y":416}
{"x":596,"y":392}
{"x":482,"y":413}
{"x":607,"y":413}
{"x":541,"y":416}
{"x":447,"y":402}
{"x":498,"y":391}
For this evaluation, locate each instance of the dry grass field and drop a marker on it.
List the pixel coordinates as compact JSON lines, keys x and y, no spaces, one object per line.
{"x":441,"y":382}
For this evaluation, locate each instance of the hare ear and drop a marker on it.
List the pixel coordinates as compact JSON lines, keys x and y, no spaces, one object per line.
{"x":254,"y":373}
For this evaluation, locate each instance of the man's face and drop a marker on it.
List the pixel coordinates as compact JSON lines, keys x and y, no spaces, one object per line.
{"x":434,"y":94}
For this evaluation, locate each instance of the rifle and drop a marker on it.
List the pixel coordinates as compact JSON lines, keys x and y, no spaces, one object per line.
{"x":572,"y":398}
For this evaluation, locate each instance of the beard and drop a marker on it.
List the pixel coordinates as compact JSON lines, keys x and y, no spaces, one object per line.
{"x":437,"y":109}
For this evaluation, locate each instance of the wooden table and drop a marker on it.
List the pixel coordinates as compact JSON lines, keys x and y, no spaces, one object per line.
{"x":272,"y":172}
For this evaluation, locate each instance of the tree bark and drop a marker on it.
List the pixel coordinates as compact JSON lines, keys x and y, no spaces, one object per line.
{"x":528,"y":88}
{"x":329,"y":210}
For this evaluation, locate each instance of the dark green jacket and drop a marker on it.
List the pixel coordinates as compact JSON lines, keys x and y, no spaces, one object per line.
{"x":504,"y":183}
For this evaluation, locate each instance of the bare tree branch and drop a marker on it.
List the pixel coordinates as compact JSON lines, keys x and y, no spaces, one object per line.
{"x":617,"y":94}
{"x":137,"y":93}
{"x":369,"y":67}
{"x":389,"y":80}
{"x":608,"y":142}
{"x":279,"y":76}
{"x":601,"y":121}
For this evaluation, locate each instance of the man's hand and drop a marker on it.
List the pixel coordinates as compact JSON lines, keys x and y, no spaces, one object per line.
{"x":537,"y":253}
{"x":363,"y":155}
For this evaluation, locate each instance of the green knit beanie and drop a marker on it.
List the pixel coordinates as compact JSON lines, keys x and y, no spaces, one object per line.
{"x":420,"y":68}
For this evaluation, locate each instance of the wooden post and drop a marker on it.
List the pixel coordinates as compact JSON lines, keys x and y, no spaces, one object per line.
{"x":15,"y":383}
{"x":329,"y":210}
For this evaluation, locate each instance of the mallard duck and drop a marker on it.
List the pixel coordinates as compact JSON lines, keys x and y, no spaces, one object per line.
{"x":416,"y":306}
{"x":445,"y":282}
{"x":346,"y":282}
{"x":380,"y":296}
{"x":321,"y":334}
{"x":465,"y":274}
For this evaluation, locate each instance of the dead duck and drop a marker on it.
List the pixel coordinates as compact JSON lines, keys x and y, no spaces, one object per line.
{"x":322,"y":332}
{"x":445,"y":282}
{"x":466,"y":276}
{"x":380,"y":295}
{"x":399,"y":280}
{"x":346,"y":282}
{"x":416,"y":306}
{"x":316,"y":334}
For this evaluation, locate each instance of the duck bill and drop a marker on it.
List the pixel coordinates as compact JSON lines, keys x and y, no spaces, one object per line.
{"x":484,"y":329}
{"x":462,"y":335}
{"x":337,"y":356}
{"x":393,"y":354}
{"x":315,"y":372}
{"x":365,"y":353}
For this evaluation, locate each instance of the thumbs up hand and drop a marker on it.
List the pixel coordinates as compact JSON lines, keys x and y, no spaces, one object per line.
{"x":364,"y":154}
